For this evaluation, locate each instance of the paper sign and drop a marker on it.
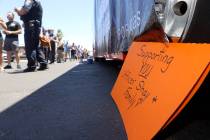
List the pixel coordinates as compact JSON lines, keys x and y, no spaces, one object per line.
{"x":156,"y":82}
{"x":189,"y":97}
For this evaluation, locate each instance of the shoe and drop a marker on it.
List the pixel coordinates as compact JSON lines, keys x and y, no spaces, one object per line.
{"x":41,"y":68}
{"x":29,"y":70}
{"x":8,"y":67}
{"x":18,"y":66}
{"x":51,"y":62}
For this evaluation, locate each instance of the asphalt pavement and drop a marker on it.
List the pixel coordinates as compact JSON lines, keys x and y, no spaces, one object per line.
{"x":70,"y":101}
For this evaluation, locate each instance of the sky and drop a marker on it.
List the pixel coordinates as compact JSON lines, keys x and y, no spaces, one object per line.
{"x":73,"y":17}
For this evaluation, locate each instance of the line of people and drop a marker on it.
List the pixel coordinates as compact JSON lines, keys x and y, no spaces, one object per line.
{"x":31,"y":14}
{"x":63,"y":51}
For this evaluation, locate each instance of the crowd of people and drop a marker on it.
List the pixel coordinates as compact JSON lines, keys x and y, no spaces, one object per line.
{"x":42,"y":46}
{"x":59,"y":50}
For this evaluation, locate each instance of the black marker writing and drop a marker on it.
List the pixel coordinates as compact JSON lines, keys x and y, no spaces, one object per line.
{"x":160,"y":57}
{"x":128,"y":78}
{"x":145,"y":70}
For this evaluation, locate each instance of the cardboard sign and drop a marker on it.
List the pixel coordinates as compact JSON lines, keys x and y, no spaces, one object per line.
{"x":156,"y":81}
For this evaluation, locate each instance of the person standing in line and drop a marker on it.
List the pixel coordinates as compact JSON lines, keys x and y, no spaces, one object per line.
{"x":60,"y":51}
{"x":31,"y":14}
{"x":45,"y":43}
{"x":4,"y":27}
{"x":73,"y":51}
{"x":53,"y":41}
{"x":67,"y":50}
{"x":11,"y":43}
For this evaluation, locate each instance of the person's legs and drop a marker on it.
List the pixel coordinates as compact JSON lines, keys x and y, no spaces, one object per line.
{"x":39,"y":53}
{"x":47,"y":56}
{"x":65,"y":56}
{"x":69,"y":54}
{"x":17,"y":59}
{"x":1,"y":44}
{"x":30,"y":48}
{"x":41,"y":59}
{"x":72,"y":55}
{"x":8,"y":66}
{"x":33,"y":51}
{"x":44,"y":50}
{"x":58,"y":56}
{"x":75,"y":56}
{"x":8,"y":47}
{"x":52,"y":54}
{"x":47,"y":53}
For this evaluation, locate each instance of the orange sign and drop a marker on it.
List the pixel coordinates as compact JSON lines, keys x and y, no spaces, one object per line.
{"x":156,"y":81}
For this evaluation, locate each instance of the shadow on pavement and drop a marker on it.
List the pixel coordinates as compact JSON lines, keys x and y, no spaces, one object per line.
{"x":75,"y":106}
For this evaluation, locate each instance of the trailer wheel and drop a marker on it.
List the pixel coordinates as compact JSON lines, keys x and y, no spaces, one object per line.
{"x":185,"y":19}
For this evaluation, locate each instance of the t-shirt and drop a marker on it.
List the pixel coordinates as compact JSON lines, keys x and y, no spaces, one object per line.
{"x":12,"y":26}
{"x":60,"y":45}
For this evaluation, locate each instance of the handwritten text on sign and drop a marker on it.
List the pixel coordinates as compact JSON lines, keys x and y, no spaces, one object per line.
{"x":137,"y":92}
{"x":157,"y":81}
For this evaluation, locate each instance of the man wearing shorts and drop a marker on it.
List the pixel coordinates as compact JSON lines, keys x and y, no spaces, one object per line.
{"x":11,"y":44}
